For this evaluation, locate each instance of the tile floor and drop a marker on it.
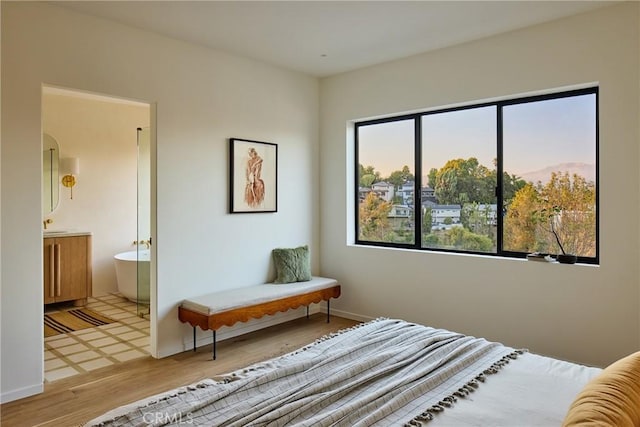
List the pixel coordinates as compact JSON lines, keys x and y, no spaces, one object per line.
{"x":93,"y":348}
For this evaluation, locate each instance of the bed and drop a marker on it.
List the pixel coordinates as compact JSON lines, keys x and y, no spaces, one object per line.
{"x":385,"y":372}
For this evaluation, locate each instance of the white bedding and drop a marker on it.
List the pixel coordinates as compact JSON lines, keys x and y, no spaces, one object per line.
{"x":533,"y":391}
{"x":381,"y":372}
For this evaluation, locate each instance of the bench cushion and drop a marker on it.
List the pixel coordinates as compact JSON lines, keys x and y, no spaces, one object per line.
{"x":243,"y":297}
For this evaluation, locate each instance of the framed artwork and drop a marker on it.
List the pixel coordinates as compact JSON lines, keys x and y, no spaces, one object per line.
{"x":254,"y":176}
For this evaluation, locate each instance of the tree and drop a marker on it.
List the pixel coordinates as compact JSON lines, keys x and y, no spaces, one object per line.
{"x":566,"y":203}
{"x":572,"y":200}
{"x":374,"y":218}
{"x":462,"y":181}
{"x":446,"y":189}
{"x":511,"y":184}
{"x":427,"y":219}
{"x":397,"y":178}
{"x":461,"y":238}
{"x":479,"y":219}
{"x":367,"y":180}
{"x":433,"y":173}
{"x":368,"y":176}
{"x":520,"y":223}
{"x":430,"y":240}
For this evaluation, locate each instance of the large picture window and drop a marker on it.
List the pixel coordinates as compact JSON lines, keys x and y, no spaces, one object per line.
{"x":506,"y":178}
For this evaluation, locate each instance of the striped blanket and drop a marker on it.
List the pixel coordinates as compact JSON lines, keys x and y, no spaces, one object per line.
{"x":385,"y":372}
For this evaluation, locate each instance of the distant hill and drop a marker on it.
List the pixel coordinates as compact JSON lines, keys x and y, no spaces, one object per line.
{"x":588,"y":171}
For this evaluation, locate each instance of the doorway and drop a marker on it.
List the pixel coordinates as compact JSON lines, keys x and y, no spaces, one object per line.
{"x":110,"y":201}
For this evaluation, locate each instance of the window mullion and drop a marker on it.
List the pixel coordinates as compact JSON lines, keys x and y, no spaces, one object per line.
{"x":499,"y":181}
{"x":417,"y":189}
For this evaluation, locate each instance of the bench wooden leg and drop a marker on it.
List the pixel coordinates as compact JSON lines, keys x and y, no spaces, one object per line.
{"x":307,"y":312}
{"x":194,"y":339}
{"x":328,"y":309}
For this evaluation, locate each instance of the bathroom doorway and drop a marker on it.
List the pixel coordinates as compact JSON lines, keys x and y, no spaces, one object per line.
{"x":111,"y":138}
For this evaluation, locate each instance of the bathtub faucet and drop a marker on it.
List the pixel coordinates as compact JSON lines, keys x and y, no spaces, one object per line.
{"x":143,"y":242}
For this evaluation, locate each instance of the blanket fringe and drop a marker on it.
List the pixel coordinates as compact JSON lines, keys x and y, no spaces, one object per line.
{"x":340,"y":332}
{"x":463,"y":391}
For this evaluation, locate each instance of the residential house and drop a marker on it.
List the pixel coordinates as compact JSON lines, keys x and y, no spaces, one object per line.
{"x":445,"y":216}
{"x":428,"y":195}
{"x":406,"y":192}
{"x":488,"y":212}
{"x":400,"y":216}
{"x":384,"y":190}
{"x":363,"y":192}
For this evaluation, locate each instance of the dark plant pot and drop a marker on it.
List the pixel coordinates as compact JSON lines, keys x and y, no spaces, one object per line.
{"x":567,"y":258}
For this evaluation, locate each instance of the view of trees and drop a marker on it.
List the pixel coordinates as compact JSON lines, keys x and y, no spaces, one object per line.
{"x":549,"y":205}
{"x":566,"y":202}
{"x":374,"y":219}
{"x":462,"y":181}
{"x":397,"y":178}
{"x":368,"y":176}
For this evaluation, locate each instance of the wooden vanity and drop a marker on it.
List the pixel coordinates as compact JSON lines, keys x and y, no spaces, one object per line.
{"x":67,"y":267}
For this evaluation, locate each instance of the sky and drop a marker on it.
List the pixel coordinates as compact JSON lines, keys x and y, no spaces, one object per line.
{"x":536,"y":135}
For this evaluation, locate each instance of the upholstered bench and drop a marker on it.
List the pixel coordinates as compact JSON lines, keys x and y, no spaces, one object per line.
{"x":225,"y":308}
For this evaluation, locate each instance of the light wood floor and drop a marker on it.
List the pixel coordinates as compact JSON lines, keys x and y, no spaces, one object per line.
{"x":74,"y":400}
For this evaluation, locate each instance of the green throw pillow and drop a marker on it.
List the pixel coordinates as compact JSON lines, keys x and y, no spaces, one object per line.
{"x":292,"y":264}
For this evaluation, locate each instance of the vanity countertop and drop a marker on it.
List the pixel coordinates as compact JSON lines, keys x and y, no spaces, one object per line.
{"x":64,"y":233}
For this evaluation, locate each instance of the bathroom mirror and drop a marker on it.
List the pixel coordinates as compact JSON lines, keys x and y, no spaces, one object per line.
{"x":50,"y":187}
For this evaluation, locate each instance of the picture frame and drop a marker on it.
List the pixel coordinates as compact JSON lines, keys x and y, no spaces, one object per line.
{"x":253,"y":184}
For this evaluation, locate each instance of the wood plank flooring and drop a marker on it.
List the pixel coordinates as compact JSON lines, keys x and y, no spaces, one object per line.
{"x":77,"y":399}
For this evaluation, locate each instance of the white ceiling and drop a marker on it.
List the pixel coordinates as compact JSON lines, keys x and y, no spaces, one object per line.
{"x":323,"y":38}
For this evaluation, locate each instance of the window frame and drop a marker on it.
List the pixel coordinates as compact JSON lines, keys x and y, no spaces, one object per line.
{"x":417,"y":167}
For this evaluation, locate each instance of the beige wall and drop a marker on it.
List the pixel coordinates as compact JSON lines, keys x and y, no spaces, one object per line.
{"x":583,"y":313}
{"x":202,"y":98}
{"x":103,"y":136}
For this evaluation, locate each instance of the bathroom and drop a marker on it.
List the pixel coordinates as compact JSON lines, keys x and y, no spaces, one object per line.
{"x":111,"y":201}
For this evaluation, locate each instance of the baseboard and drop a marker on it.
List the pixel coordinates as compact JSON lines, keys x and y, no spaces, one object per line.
{"x":20,"y":393}
{"x":347,"y":315}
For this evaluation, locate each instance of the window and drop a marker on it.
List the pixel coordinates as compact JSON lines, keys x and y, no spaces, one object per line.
{"x":505,"y":178}
{"x":457,"y":149}
{"x":386,"y":189}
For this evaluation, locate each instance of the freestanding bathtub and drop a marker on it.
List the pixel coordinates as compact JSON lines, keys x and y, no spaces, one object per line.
{"x":128,"y":269}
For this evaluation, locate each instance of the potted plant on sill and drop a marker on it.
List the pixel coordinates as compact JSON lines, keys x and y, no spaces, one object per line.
{"x":550,"y":216}
{"x":563,"y":258}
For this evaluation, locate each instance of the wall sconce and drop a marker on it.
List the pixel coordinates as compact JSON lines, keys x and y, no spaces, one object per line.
{"x":70,"y":166}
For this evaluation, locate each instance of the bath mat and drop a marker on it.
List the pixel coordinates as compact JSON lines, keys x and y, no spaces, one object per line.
{"x":62,"y":322}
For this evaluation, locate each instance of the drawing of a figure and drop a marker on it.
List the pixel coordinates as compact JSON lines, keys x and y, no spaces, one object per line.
{"x":254,"y":191}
